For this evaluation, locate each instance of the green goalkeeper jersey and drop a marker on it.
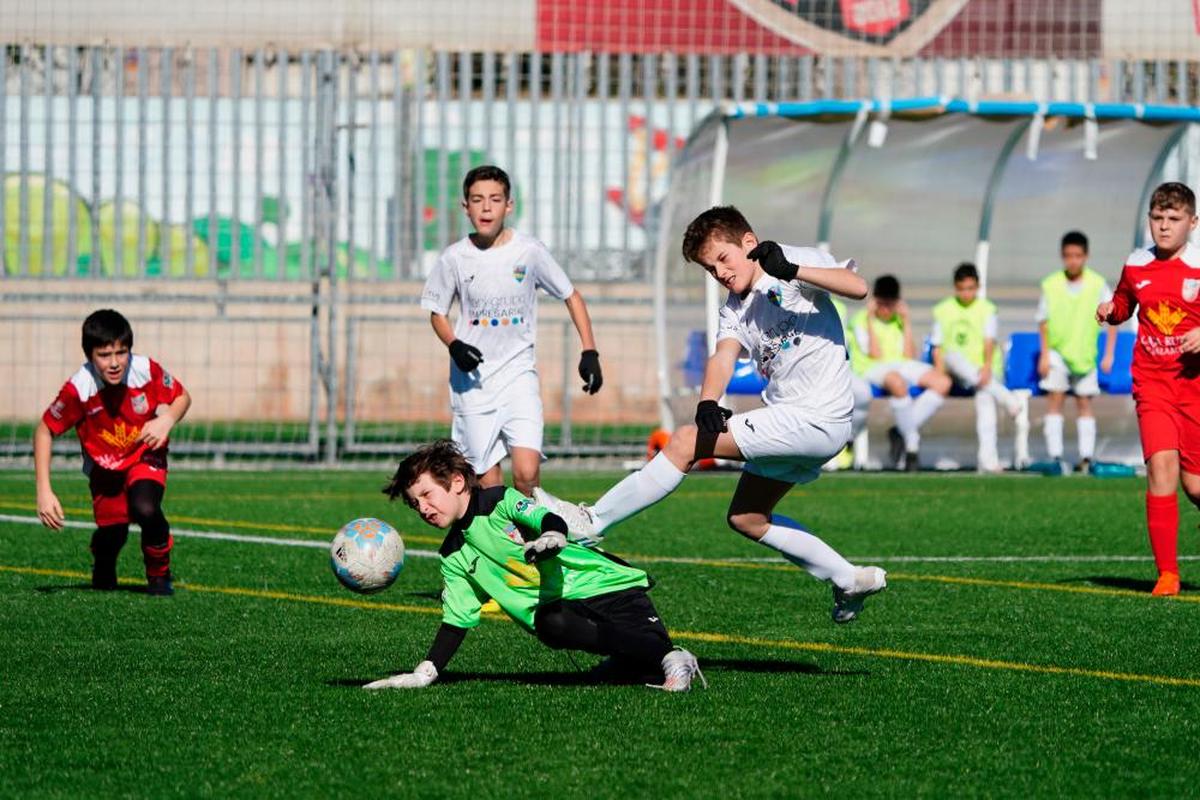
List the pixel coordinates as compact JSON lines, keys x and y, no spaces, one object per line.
{"x":483,"y":557}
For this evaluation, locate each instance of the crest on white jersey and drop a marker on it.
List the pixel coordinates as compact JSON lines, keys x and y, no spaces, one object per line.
{"x":1191,"y":288}
{"x":519,"y":272}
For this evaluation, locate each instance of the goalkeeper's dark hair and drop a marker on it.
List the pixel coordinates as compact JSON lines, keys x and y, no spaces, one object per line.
{"x":1076,"y":238}
{"x":442,"y":459}
{"x":724,"y":223}
{"x":966,"y":271}
{"x":105,"y":327}
{"x":887,"y":287}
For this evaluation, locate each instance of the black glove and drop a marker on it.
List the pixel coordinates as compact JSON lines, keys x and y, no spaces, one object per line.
{"x":774,"y":262}
{"x":466,"y":356}
{"x":710,"y":417}
{"x":589,"y":370}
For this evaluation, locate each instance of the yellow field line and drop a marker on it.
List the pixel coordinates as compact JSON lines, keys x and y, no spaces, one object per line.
{"x":274,"y":527}
{"x":1046,"y":587}
{"x":697,"y":636}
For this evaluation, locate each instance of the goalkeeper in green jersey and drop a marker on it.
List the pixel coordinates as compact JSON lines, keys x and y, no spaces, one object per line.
{"x":503,"y":546}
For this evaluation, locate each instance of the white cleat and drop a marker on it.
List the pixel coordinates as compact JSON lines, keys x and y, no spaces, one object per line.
{"x":848,"y":603}
{"x":581,"y":527}
{"x":680,"y":668}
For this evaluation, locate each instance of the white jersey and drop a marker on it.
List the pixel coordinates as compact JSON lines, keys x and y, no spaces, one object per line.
{"x":795,"y":338}
{"x":497,"y":293}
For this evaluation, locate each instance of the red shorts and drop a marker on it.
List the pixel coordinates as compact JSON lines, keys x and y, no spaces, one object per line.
{"x":110,"y":504}
{"x":1165,"y":426}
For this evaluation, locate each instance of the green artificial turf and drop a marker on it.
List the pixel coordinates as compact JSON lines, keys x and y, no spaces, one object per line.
{"x":1003,"y":678}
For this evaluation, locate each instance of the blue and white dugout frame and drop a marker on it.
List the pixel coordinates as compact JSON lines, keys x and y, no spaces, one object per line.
{"x":873,"y":115}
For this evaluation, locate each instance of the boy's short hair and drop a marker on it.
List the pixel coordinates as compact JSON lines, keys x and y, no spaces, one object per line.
{"x":442,"y":459}
{"x":1173,"y":195}
{"x":966,"y":270}
{"x":105,"y":327}
{"x":887,"y":287}
{"x":1076,"y":238}
{"x":487,"y":172}
{"x":725,"y":223}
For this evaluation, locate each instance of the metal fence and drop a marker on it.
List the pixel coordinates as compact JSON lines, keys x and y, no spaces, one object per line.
{"x":280,"y":376}
{"x":136,"y":162}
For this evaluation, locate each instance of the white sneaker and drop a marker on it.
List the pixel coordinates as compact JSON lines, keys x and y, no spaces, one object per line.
{"x":679,"y":668}
{"x":847,"y":603}
{"x":581,"y":527}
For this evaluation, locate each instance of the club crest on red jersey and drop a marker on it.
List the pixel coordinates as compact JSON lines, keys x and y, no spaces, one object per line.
{"x":1165,"y":317}
{"x":1191,"y":288}
{"x":140,"y":404}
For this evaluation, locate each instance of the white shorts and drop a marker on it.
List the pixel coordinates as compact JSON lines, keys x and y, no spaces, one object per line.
{"x":785,"y":444}
{"x":911,"y":371}
{"x":1061,"y":379}
{"x":487,"y":437}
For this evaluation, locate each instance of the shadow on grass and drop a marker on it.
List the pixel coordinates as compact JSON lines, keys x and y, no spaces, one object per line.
{"x":594,"y":677}
{"x":87,"y":587}
{"x":1128,"y":584}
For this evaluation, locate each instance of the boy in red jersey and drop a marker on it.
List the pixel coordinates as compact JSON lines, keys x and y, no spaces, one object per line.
{"x":1163,"y":284}
{"x":123,"y":407}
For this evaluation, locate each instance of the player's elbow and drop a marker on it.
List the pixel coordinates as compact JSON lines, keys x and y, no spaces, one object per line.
{"x":858,"y":288}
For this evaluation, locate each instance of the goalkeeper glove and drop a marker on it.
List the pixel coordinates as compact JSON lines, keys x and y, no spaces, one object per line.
{"x":710,"y":417}
{"x":770,"y":256}
{"x":548,"y":545}
{"x":466,"y":356}
{"x":425,"y":674}
{"x":589,"y":370}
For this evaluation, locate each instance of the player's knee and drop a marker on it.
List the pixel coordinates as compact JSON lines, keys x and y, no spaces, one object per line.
{"x":525,"y":478}
{"x":144,"y":508}
{"x":682,"y":444}
{"x":750,"y":525}
{"x":550,"y":625}
{"x":895,"y":385}
{"x":1193,"y":494}
{"x":940,"y":383}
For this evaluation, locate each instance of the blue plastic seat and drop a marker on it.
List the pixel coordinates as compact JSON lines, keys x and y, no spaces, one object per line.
{"x":1020,"y":363}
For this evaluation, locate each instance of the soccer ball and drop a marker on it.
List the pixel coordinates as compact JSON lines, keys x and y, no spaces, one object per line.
{"x":366,"y":555}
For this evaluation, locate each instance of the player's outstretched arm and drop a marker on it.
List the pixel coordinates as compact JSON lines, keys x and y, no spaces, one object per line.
{"x":445,"y":645}
{"x":589,"y":358}
{"x":719,"y":369}
{"x":49,"y":509}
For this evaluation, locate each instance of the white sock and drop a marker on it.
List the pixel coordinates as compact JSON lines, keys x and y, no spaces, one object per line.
{"x":1003,"y":395}
{"x":925,"y":406}
{"x":1054,"y":440}
{"x":640,"y":490}
{"x":985,"y":429}
{"x":804,"y":550}
{"x":902,"y":412}
{"x":1086,"y":428}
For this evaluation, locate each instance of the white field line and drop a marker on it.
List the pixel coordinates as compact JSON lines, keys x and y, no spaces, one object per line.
{"x":185,"y":533}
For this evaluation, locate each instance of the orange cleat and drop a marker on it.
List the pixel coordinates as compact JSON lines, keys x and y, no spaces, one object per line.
{"x":1167,"y":586}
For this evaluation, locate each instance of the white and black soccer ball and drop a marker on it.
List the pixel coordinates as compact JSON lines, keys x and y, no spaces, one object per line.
{"x":366,"y":555}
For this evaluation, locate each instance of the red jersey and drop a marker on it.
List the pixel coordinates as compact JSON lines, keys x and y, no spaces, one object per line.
{"x":109,"y":419}
{"x":1167,"y":296}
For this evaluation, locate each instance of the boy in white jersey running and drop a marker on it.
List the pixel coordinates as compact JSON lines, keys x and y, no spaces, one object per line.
{"x":780,"y":311}
{"x":495,"y":274}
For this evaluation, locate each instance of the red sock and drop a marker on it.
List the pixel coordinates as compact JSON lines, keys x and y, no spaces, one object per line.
{"x":1162,"y":518}
{"x":158,"y":559}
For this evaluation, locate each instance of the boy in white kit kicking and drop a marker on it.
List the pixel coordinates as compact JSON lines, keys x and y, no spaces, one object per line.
{"x":779,"y":310}
{"x":495,"y":273}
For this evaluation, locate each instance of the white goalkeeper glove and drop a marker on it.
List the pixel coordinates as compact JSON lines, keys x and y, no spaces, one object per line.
{"x":425,"y":674}
{"x":548,"y":545}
